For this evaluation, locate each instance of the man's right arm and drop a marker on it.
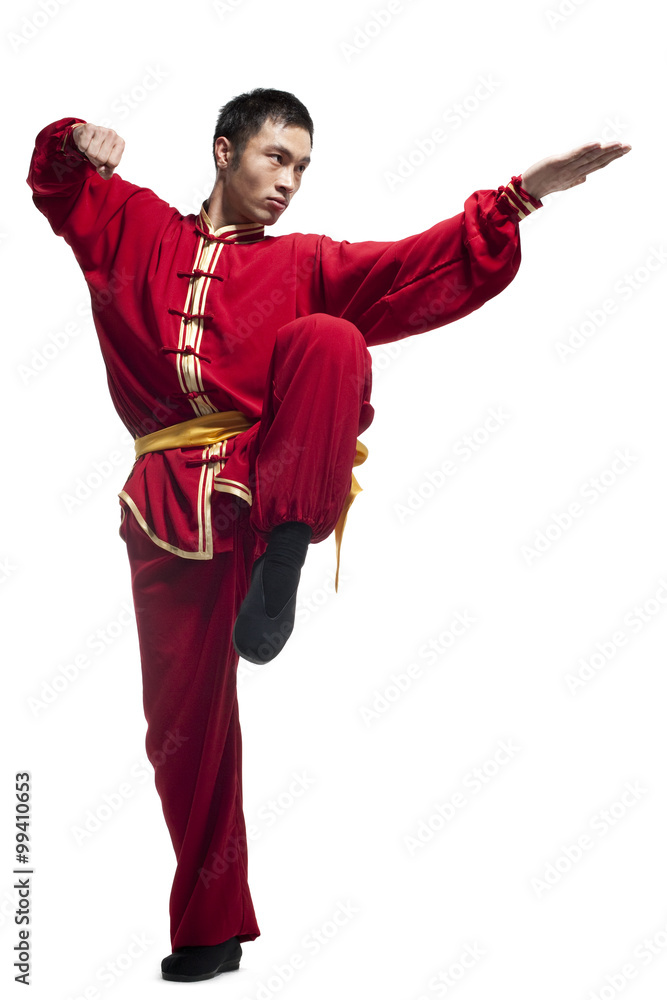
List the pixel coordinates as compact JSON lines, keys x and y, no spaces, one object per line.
{"x":74,"y":185}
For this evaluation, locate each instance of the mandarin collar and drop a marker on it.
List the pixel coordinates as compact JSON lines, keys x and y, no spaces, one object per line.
{"x":239,"y":232}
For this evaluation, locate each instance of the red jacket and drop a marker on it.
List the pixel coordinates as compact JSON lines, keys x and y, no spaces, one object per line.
{"x":187,"y":325}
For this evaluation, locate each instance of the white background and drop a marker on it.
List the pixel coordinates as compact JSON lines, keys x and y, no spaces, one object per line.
{"x":595,"y":71}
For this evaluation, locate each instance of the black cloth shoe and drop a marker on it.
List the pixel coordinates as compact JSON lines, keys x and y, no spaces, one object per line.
{"x":191,"y":963}
{"x":257,"y":636}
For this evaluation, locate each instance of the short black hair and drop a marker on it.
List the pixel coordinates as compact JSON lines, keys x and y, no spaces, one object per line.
{"x":243,"y":117}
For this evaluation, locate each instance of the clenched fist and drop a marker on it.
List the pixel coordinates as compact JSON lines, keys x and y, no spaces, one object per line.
{"x":102,"y":146}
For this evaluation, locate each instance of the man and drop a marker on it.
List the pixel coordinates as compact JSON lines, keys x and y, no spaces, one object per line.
{"x":239,"y":362}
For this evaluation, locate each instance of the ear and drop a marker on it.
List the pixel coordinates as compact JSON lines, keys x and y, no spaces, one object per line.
{"x":223,"y":152}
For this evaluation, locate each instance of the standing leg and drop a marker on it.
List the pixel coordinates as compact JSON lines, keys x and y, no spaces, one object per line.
{"x":185,"y":610}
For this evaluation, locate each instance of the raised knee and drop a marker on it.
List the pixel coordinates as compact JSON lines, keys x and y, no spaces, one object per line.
{"x":329,"y":333}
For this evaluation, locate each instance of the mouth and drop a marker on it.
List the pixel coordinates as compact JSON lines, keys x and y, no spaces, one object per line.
{"x":281,"y":205}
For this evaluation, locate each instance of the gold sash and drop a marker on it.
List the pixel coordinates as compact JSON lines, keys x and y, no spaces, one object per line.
{"x":212,"y":428}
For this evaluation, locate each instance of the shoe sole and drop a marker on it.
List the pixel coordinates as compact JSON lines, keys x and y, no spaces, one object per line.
{"x":229,"y":966}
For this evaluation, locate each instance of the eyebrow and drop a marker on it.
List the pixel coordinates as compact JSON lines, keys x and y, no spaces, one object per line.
{"x":286,"y":152}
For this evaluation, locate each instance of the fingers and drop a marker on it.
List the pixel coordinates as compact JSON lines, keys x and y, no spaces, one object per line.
{"x":109,"y":155}
{"x":598,"y":159}
{"x":606,"y":157}
{"x":592,"y":152}
{"x":573,"y":167}
{"x":102,"y":146}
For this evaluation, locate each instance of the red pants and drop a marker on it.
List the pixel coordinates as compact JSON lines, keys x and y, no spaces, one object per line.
{"x":317,"y":400}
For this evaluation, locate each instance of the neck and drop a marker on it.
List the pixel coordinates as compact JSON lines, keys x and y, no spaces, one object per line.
{"x":218,"y":212}
{"x":214,"y":207}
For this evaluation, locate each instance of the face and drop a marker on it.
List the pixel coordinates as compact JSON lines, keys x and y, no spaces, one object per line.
{"x":272,"y":166}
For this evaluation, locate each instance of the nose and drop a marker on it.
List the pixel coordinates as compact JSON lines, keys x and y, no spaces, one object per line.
{"x":287,"y":183}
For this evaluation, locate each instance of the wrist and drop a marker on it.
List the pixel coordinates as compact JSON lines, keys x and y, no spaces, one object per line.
{"x":529,"y":192}
{"x":69,"y":132}
{"x":518,"y":200}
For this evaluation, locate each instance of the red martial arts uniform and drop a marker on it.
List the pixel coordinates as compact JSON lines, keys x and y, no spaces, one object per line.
{"x":192,"y":322}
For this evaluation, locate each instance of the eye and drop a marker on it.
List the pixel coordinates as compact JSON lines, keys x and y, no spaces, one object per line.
{"x":279,"y":157}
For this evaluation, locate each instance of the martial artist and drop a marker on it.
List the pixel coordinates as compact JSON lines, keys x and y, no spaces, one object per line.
{"x":239,"y":363}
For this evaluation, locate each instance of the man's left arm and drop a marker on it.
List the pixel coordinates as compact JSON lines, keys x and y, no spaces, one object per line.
{"x":394,"y":290}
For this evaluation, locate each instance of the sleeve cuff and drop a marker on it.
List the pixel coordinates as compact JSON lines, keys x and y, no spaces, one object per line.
{"x":519,"y":199}
{"x":68,"y":135}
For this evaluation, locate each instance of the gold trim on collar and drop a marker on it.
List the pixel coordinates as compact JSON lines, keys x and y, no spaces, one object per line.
{"x":245,"y":232}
